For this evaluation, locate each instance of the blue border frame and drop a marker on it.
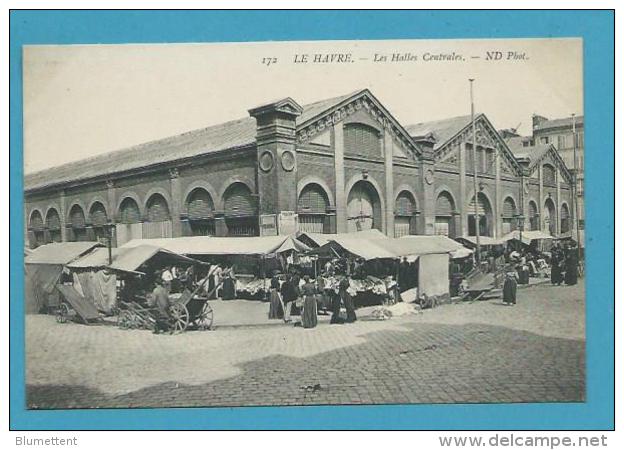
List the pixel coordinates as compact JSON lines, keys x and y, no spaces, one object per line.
{"x":597,"y":30}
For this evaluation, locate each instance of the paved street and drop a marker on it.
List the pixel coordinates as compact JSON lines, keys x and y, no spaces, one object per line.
{"x":469,"y":352}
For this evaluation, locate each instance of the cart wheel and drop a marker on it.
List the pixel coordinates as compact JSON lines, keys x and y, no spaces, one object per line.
{"x":179,"y":317}
{"x":63,"y":313}
{"x":205,"y":317}
{"x":124,"y":320}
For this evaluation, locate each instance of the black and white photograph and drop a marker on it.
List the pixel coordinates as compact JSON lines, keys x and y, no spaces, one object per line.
{"x":304,"y":223}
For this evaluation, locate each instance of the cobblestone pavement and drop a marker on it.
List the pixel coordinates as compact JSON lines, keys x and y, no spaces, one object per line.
{"x":464,"y":353}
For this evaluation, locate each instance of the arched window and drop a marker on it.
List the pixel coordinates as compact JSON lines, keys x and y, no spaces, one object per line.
{"x":53,"y":223}
{"x":37,"y":228}
{"x":444,"y":213}
{"x":129,"y":211}
{"x":157,"y":209}
{"x":99,"y":218}
{"x":312,"y":208}
{"x":548,"y":175}
{"x":565,"y":219}
{"x":362,"y":139}
{"x":404,"y":214}
{"x":200,"y":208}
{"x":509,"y":215}
{"x":158,"y":223}
{"x":550,"y":217}
{"x":485,"y":216}
{"x":78,"y":224}
{"x":533,"y":216}
{"x":240,"y":211}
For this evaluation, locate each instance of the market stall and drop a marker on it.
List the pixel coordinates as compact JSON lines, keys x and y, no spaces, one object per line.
{"x":43,"y":269}
{"x":250,"y":260}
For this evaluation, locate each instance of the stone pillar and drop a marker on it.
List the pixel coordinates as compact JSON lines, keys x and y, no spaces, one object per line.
{"x":558,"y":202}
{"x":389,"y":181}
{"x":462,"y":203}
{"x":339,"y":175}
{"x":498,"y":226}
{"x":540,"y":204}
{"x":428,"y":179}
{"x":176,"y":203}
{"x":221,"y":229}
{"x":62,"y":217}
{"x":112,"y":209}
{"x":277,"y":155}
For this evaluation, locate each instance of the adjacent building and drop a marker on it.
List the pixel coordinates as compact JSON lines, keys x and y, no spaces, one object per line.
{"x":338,"y":165}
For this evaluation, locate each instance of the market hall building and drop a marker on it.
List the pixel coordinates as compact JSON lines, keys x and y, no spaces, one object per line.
{"x":338,"y":165}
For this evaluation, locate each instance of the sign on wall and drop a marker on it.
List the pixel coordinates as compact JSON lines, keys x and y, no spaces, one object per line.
{"x":268,"y":225}
{"x":288,"y":221}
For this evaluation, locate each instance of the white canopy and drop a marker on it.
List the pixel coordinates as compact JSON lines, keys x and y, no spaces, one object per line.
{"x":205,"y":245}
{"x":527,"y":236}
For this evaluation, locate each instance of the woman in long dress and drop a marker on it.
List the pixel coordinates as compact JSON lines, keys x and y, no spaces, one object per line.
{"x":555,"y":267}
{"x":275,"y":306}
{"x":510,"y":286}
{"x":571,"y":275}
{"x":229,"y":287}
{"x":309,"y":313}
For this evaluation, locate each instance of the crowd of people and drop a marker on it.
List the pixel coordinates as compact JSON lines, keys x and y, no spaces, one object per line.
{"x":562,"y":264}
{"x":305,"y":293}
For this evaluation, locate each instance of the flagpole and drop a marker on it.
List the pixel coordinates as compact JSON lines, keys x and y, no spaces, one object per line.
{"x":474,"y":170}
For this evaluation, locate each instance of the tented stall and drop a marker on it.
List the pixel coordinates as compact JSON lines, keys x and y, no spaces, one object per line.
{"x":254,"y":258}
{"x":43,"y":269}
{"x":96,"y":279}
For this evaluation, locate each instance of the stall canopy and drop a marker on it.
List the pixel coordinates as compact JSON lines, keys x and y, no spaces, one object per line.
{"x":574,"y":237}
{"x":527,"y":236}
{"x":128,"y":259}
{"x":375,"y":245}
{"x":43,"y":268}
{"x":223,"y":246}
{"x":319,"y":239}
{"x":483,"y":240}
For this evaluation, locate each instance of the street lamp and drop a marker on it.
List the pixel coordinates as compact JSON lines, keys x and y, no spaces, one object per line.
{"x":108,"y":230}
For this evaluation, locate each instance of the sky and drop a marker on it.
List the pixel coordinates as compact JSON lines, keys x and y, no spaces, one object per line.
{"x":85,"y":100}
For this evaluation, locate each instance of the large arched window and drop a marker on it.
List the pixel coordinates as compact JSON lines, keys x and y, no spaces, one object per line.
{"x":241,"y":215}
{"x":157,"y":209}
{"x":548,"y":175}
{"x":404,"y":214}
{"x":509,"y":215}
{"x":312,"y":208}
{"x":533,"y":216}
{"x":158,"y":223}
{"x":550,"y":217}
{"x":98,"y":218}
{"x":565,"y":219}
{"x":362,"y":139}
{"x":444,"y":215}
{"x":53,"y":224}
{"x":37,"y":228}
{"x":78,"y":224}
{"x":484,"y":210}
{"x":129,"y":211}
{"x":200,"y":209}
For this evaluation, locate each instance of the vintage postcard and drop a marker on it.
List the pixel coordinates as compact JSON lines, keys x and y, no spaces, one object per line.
{"x":304,"y":223}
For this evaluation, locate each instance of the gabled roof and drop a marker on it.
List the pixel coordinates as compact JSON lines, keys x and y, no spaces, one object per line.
{"x":530,"y":154}
{"x":556,"y":123}
{"x":534,"y":154}
{"x":441,"y":130}
{"x":229,"y":135}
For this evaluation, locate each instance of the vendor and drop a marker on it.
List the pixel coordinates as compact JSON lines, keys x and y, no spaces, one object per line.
{"x":160,"y":300}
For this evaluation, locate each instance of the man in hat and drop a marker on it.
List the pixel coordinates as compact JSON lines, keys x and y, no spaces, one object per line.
{"x":160,"y":300}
